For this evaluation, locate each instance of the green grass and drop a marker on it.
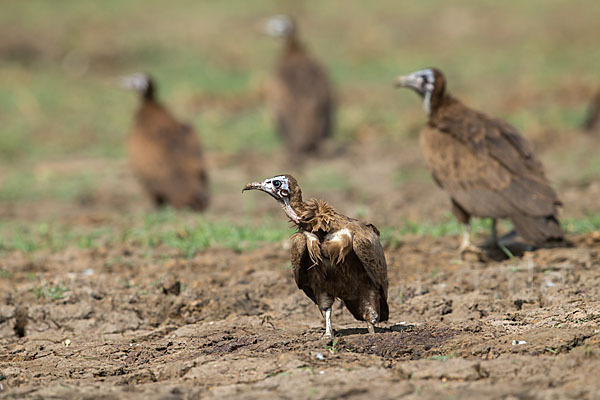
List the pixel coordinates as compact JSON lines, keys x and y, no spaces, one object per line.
{"x":64,"y":99}
{"x":190,"y":234}
{"x":52,"y":292}
{"x":181,"y":231}
{"x":61,"y":110}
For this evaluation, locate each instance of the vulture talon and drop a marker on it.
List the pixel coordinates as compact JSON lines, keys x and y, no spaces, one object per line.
{"x":333,"y":256}
{"x":469,"y":248}
{"x":484,"y":164}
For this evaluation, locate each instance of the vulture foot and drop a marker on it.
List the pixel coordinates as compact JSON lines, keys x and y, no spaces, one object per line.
{"x":371,"y":327}
{"x":469,"y":248}
{"x":466,"y":246}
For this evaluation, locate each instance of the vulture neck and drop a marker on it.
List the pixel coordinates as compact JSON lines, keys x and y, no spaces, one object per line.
{"x":297,"y":205}
{"x":438,"y":104}
{"x":318,"y":217}
{"x":293,"y":45}
{"x":148,"y":95}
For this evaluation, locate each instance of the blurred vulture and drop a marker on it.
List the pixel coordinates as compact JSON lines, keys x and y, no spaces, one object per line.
{"x":299,"y":93}
{"x":592,"y":123}
{"x":165,"y":154}
{"x":485,"y":165}
{"x":333,"y":256}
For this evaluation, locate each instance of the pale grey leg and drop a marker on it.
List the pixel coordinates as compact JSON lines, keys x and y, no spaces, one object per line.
{"x":466,"y":245}
{"x":371,"y":327}
{"x":328,"y":328}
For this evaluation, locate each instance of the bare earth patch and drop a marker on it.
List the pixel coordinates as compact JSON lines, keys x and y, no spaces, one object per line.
{"x":239,"y":328}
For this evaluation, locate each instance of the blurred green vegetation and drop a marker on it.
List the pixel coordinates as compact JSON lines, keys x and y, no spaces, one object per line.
{"x":189,"y":233}
{"x":533,"y":62}
{"x":58,"y":94}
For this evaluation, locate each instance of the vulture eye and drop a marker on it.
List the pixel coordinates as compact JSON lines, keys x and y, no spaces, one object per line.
{"x":277,"y":184}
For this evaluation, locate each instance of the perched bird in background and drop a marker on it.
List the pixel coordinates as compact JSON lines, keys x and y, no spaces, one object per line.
{"x":299,"y":93}
{"x":592,"y":123}
{"x":165,"y":154}
{"x":333,"y":256}
{"x":485,"y":165}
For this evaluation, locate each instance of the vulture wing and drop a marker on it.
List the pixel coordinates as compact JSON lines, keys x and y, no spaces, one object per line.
{"x":300,"y":264}
{"x":486,"y":165}
{"x":167,"y":157}
{"x":369,"y":251}
{"x":302,"y":99}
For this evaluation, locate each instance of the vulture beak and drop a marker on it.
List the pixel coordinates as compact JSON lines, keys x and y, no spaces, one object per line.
{"x":413,"y":81}
{"x":126,"y":82}
{"x":255,"y":186}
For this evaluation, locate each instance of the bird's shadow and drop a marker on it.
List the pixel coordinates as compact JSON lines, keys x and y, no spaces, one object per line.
{"x":363,"y":331}
{"x":510,"y":245}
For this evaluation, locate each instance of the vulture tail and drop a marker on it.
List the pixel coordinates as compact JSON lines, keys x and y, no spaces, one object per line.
{"x":538,"y":230}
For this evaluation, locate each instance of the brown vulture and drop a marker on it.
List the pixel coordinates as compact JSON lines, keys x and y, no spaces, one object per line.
{"x":592,"y":123}
{"x":165,"y":154}
{"x":299,"y":92}
{"x":485,"y":165}
{"x":333,"y":256}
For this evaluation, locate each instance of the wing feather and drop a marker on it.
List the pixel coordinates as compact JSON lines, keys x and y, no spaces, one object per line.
{"x":486,"y":165}
{"x":300,"y":264}
{"x":368,"y":249}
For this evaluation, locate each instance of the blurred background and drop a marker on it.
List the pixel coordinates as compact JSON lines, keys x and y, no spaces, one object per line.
{"x":64,"y":176}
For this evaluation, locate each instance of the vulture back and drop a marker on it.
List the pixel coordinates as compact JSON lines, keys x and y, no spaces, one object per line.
{"x":167,"y":157}
{"x":301,"y":97}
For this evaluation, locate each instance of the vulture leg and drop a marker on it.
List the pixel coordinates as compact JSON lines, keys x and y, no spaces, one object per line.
{"x":466,"y":246}
{"x":328,"y":328}
{"x":325,"y":302}
{"x":371,"y":327}
{"x":494,"y":234}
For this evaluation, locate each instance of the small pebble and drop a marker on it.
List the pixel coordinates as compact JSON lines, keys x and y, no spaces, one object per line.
{"x":319,"y":356}
{"x":516,"y":342}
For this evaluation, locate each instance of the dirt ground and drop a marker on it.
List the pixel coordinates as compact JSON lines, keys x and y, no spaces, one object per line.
{"x":228,"y":324}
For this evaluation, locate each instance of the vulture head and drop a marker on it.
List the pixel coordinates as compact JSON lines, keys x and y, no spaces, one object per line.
{"x":280,"y":26}
{"x":284,"y":189}
{"x":141,"y":83}
{"x":428,"y":83}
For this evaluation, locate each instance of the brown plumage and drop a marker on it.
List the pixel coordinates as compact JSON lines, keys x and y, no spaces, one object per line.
{"x":485,"y":165}
{"x":592,"y":123}
{"x":333,"y":256}
{"x":299,"y":93}
{"x":166,"y":154}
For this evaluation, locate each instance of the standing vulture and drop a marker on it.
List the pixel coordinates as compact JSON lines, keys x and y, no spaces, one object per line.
{"x":299,"y":93}
{"x":333,"y":256}
{"x":165,"y":154}
{"x":485,"y":165}
{"x":592,"y":123}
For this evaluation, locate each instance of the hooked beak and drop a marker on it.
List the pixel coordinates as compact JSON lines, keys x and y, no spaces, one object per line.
{"x":412,"y":81}
{"x":256,"y":186}
{"x":126,"y":82}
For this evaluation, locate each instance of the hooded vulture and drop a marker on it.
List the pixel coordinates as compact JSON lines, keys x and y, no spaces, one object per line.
{"x":165,"y":154}
{"x":592,"y":123}
{"x":299,"y":93}
{"x":333,"y":256}
{"x":485,"y":165}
